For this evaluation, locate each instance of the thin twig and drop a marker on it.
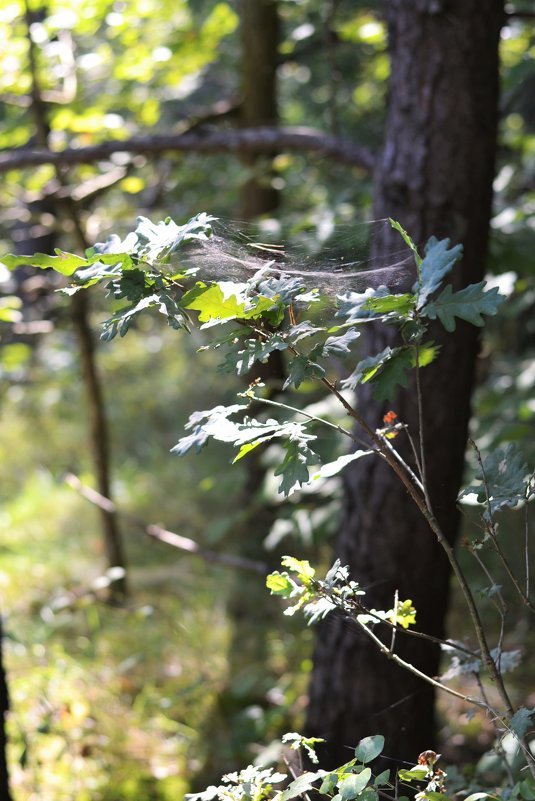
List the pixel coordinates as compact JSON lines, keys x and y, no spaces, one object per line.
{"x":491,"y":530}
{"x":157,"y":532}
{"x":526,"y":546}
{"x":394,"y":627}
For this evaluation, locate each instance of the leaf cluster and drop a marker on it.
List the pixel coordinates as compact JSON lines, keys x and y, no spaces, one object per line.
{"x":147,"y":271}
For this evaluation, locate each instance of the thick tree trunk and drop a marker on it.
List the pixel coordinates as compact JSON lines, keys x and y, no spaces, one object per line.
{"x":435,"y":177}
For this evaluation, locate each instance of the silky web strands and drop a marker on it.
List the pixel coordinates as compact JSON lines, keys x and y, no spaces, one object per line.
{"x":336,"y":260}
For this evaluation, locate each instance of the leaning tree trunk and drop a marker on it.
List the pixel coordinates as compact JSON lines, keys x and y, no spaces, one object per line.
{"x":435,"y":176}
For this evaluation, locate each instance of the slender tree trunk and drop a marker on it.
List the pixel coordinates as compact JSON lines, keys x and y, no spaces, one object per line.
{"x":435,"y":177}
{"x":99,"y":437}
{"x":259,"y":41}
{"x":248,"y":605}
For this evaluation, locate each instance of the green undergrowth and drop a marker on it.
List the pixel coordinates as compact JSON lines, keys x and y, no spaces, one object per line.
{"x":111,"y":703}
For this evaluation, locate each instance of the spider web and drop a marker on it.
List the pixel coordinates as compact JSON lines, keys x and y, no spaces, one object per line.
{"x":334,"y":259}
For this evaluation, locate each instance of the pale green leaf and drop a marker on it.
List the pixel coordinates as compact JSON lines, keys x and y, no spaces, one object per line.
{"x":351,"y":786}
{"x":369,"y":748}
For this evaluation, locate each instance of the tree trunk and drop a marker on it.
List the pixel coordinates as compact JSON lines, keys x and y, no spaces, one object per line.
{"x":435,"y":177}
{"x":4,"y":708}
{"x":249,"y":607}
{"x":99,"y":440}
{"x":259,"y":40}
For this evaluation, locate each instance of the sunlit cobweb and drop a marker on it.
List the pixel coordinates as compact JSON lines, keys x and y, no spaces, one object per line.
{"x":335,"y":260}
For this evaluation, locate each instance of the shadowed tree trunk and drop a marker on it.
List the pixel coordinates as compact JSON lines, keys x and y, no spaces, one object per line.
{"x":4,"y":708}
{"x":435,"y":176}
{"x":259,"y":41}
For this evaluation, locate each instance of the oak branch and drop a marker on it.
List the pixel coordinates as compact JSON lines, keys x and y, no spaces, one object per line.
{"x":240,"y":141}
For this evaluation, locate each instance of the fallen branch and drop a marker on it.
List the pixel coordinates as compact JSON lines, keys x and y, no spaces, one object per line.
{"x":163,"y":535}
{"x":239,"y":141}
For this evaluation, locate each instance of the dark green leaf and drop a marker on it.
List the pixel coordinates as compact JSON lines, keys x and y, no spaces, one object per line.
{"x":294,"y":468}
{"x":160,"y":240}
{"x":300,"y":369}
{"x":241,"y":359}
{"x":328,"y":784}
{"x":367,"y":368}
{"x":522,"y":721}
{"x":467,"y":304}
{"x":383,"y":778}
{"x":393,"y":373}
{"x":504,"y":478}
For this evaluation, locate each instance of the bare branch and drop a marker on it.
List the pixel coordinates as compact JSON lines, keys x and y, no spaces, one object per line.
{"x":238,"y":142}
{"x":163,"y":535}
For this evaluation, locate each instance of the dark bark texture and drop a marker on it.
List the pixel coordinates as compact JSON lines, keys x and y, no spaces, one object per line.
{"x":435,"y":176}
{"x":5,"y":794}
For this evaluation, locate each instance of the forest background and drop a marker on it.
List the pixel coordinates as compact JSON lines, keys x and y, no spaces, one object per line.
{"x":195,"y":672}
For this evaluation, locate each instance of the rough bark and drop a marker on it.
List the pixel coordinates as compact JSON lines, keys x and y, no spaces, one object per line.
{"x":435,"y":177}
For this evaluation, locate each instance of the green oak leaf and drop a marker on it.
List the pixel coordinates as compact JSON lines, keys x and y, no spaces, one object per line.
{"x":333,"y":468}
{"x":467,"y":304}
{"x":393,"y":373}
{"x":504,"y":479}
{"x":340,"y":345}
{"x":225,"y":300}
{"x":241,"y":359}
{"x":300,"y":369}
{"x":407,"y":239}
{"x":367,"y":368}
{"x":522,"y":721}
{"x":158,"y":241}
{"x":437,"y":263}
{"x":63,"y":262}
{"x":402,"y":305}
{"x":281,"y":584}
{"x":294,"y":467}
{"x":304,"y":329}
